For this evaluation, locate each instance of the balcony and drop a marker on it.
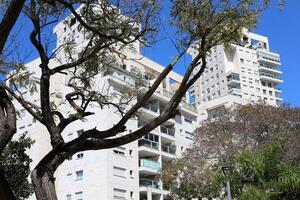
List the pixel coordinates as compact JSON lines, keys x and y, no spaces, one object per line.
{"x":233,"y":79}
{"x":120,"y":76}
{"x":168,"y":131}
{"x":148,"y":143}
{"x":151,"y":107}
{"x":268,"y":57}
{"x":189,"y":106}
{"x":235,"y":92}
{"x":169,"y":149}
{"x":149,"y":164}
{"x":168,"y":94}
{"x":269,"y":68}
{"x":150,"y":183}
{"x":279,"y":99}
{"x":277,"y":90}
{"x":270,"y":77}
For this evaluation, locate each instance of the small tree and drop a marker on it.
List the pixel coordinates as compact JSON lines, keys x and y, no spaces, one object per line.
{"x":203,"y":23}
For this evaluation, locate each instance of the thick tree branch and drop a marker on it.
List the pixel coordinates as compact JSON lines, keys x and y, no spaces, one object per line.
{"x":27,"y":105}
{"x":9,"y":20}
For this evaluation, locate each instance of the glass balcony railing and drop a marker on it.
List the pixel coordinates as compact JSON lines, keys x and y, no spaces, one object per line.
{"x":270,"y":75}
{"x":150,"y":183}
{"x":168,"y":94}
{"x":268,"y":56}
{"x":118,"y":74}
{"x":149,"y":164}
{"x":151,"y":107}
{"x":168,"y":131}
{"x":189,"y":106}
{"x":168,"y":149}
{"x":235,"y":91}
{"x":268,"y":66}
{"x":233,"y":77}
{"x":148,"y":143}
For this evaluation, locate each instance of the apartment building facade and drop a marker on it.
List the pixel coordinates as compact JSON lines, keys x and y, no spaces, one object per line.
{"x":127,"y":172}
{"x":245,"y":72}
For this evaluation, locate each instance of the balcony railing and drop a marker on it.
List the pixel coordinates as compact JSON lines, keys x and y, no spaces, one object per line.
{"x":189,"y":106}
{"x":168,"y":131}
{"x":269,"y":75}
{"x":149,"y":144}
{"x":268,"y":56}
{"x":150,"y":183}
{"x":235,"y":91}
{"x":168,"y":94}
{"x":149,"y":164}
{"x":233,"y":77}
{"x":267,"y":66}
{"x":118,"y":74}
{"x":168,"y":149}
{"x":151,"y":107}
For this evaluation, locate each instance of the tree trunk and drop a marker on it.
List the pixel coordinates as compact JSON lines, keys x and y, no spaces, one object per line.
{"x":44,"y":185}
{"x":5,"y":190}
{"x":7,"y":130}
{"x":43,"y":175}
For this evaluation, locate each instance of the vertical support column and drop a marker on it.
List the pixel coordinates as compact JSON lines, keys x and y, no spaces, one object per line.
{"x":149,"y":194}
{"x":161,"y":197}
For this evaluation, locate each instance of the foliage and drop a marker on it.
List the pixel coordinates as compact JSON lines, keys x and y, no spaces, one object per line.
{"x":265,"y":165}
{"x":14,"y":162}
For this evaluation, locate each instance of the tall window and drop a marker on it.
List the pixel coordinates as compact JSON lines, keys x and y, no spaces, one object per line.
{"x":79,"y":175}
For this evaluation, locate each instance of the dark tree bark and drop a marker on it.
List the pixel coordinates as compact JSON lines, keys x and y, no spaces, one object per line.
{"x":7,"y":130}
{"x":9,"y":20}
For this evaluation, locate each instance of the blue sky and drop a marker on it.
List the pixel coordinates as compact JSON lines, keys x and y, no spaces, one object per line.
{"x":282,"y":27}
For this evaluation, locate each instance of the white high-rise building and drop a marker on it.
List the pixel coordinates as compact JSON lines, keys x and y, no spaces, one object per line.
{"x":246,"y":72}
{"x":128,"y":172}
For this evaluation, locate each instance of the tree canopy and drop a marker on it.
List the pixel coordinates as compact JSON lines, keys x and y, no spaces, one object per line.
{"x":257,"y":141}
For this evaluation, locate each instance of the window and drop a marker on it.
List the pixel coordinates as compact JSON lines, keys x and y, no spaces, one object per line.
{"x":130,"y":152}
{"x":189,"y":135}
{"x":178,"y":119}
{"x":79,"y":132}
{"x":79,"y":156}
{"x":72,"y":21}
{"x":270,"y":93}
{"x":242,"y":60}
{"x":119,"y":151}
{"x":131,"y":173}
{"x":119,"y":193}
{"x":118,"y":171}
{"x":22,"y":113}
{"x":69,"y":197}
{"x":79,"y":175}
{"x":264,"y":91}
{"x":188,"y":119}
{"x":79,"y":195}
{"x":131,"y":194}
{"x":152,"y":137}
